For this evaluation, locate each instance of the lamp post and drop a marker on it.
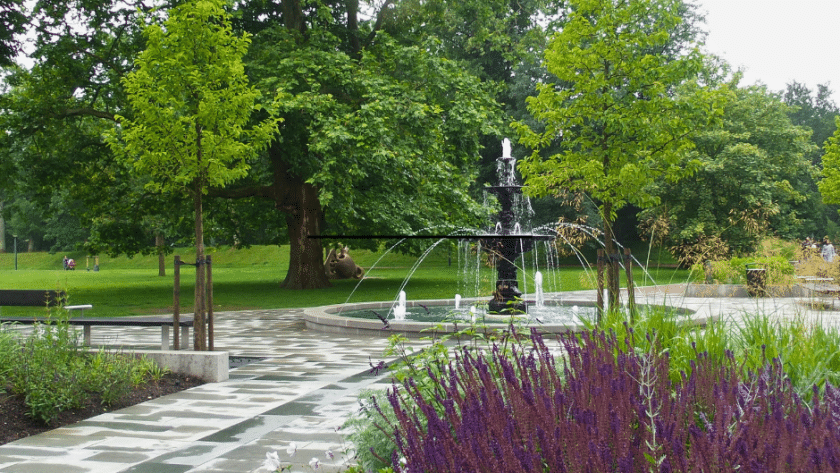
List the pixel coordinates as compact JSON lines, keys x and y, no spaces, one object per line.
{"x":15,"y":236}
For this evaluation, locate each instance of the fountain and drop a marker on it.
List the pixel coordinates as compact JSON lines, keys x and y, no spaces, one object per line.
{"x":507,"y":243}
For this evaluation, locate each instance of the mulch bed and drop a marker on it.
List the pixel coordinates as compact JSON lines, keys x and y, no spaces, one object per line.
{"x":15,"y":424}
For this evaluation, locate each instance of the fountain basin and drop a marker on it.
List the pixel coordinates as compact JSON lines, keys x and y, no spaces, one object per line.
{"x":329,"y":319}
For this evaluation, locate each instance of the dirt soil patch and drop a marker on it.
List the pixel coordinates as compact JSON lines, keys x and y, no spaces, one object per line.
{"x":15,"y":424}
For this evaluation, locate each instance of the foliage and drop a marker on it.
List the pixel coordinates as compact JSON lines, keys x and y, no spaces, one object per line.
{"x":641,"y":104}
{"x":778,"y":269}
{"x":50,"y":370}
{"x":191,"y":100}
{"x":607,"y":412}
{"x":807,"y":349}
{"x":659,"y":384}
{"x":813,"y":109}
{"x":830,"y":184}
{"x":351,"y":121}
{"x":374,"y":436}
{"x":752,"y":176}
{"x":12,"y":24}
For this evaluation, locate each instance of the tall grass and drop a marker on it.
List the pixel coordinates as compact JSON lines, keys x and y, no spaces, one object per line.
{"x":808,"y":350}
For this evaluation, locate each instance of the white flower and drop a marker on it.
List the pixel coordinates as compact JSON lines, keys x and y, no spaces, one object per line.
{"x":403,"y":461}
{"x":272,"y":461}
{"x":329,"y":454}
{"x":314,"y":464}
{"x":291,"y":449}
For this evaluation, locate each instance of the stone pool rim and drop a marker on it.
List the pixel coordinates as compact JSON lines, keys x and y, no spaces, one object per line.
{"x":327,"y":319}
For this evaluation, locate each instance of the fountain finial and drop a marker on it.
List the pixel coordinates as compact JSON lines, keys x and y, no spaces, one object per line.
{"x":506,"y":148}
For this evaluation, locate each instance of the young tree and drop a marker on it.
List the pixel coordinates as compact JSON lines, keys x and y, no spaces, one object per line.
{"x":622,"y":112}
{"x":191,"y":103}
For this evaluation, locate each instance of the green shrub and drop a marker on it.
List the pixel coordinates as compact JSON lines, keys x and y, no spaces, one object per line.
{"x":734,"y":271}
{"x":52,"y":373}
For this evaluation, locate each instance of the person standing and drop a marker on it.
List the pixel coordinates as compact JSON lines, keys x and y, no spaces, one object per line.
{"x":828,"y":250}
{"x":66,"y":262}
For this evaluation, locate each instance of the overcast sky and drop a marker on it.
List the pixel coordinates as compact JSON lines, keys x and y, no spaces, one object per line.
{"x":777,"y":41}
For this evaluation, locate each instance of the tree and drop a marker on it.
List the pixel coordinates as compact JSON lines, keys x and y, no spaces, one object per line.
{"x":191,"y":103}
{"x":379,"y":137}
{"x":754,"y":172}
{"x":12,"y":24}
{"x":830,"y":184}
{"x":813,"y":109}
{"x":817,"y":111}
{"x":622,"y":112}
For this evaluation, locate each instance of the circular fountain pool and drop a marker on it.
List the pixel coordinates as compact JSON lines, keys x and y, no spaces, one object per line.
{"x":338,"y":318}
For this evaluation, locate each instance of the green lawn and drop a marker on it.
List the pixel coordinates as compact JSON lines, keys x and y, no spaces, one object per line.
{"x":250,"y":278}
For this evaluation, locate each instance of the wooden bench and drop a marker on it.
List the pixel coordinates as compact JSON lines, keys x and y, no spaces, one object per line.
{"x":86,"y":323}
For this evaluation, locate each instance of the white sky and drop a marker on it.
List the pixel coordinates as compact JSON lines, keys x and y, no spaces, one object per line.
{"x":777,"y":41}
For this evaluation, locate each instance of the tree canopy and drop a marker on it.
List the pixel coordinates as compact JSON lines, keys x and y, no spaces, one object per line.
{"x":382,"y":129}
{"x":623,"y":110}
{"x":752,"y":173}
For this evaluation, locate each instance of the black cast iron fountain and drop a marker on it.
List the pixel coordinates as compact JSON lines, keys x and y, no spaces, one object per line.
{"x":508,"y":242}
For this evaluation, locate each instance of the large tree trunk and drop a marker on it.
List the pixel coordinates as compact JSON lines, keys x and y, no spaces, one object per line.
{"x":306,"y":255}
{"x":302,"y":208}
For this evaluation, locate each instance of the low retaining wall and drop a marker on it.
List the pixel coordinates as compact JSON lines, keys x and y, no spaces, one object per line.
{"x":740,"y":290}
{"x":211,"y":366}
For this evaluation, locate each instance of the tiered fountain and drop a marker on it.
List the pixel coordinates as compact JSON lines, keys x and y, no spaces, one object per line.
{"x":508,"y":242}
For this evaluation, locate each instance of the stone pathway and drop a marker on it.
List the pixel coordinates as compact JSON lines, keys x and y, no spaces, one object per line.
{"x":301,"y":392}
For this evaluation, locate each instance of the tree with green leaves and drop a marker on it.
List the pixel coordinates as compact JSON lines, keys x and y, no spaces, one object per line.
{"x":191,"y":105}
{"x":389,"y":110}
{"x":753,"y":174}
{"x":623,"y":109}
{"x":814,"y":109}
{"x":829,"y":185}
{"x":380,"y":133}
{"x":12,"y":26}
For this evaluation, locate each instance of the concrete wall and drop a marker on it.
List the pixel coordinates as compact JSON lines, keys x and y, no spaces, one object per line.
{"x":740,"y":290}
{"x":211,"y":366}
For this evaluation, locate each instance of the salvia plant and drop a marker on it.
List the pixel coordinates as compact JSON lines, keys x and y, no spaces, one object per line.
{"x":602,"y":407}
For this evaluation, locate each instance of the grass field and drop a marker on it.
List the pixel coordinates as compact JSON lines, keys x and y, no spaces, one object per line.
{"x":250,"y":278}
